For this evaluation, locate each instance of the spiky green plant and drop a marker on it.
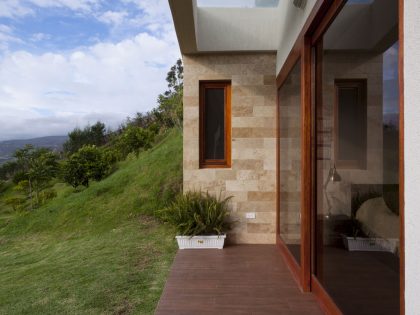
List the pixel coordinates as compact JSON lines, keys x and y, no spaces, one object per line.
{"x":197,"y":213}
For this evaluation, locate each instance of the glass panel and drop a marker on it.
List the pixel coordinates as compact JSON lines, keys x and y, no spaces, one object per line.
{"x":290,"y":159}
{"x":357,"y":226}
{"x":214,"y":123}
{"x":350,"y":123}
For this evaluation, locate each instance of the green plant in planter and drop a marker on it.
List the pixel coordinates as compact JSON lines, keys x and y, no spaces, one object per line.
{"x":197,"y":213}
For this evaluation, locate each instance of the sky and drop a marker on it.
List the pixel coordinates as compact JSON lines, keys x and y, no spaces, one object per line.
{"x":69,"y":63}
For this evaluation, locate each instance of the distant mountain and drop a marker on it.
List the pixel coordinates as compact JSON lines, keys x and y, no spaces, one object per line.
{"x":8,"y":147}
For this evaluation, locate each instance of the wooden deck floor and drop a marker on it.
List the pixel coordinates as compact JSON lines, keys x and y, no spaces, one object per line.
{"x":244,"y":279}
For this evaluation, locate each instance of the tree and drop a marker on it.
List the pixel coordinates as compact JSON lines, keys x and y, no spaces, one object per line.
{"x":37,"y":166}
{"x":133,"y":139}
{"x":43,"y":168}
{"x":86,"y":164}
{"x":8,"y":170}
{"x":93,"y":135}
{"x":170,"y":107}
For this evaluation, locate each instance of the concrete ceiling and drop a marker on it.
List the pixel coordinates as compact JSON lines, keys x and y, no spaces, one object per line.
{"x":216,"y":29}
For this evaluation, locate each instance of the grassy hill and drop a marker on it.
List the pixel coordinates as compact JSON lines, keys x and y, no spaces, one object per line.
{"x":98,"y":251}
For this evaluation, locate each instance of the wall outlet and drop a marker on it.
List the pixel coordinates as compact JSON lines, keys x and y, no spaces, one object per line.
{"x":250,"y":215}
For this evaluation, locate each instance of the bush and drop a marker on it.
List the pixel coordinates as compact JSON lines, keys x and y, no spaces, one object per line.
{"x":3,"y":186}
{"x":111,"y":156}
{"x":17,"y":203}
{"x":19,"y":176}
{"x":86,"y":164}
{"x":46,"y":195}
{"x":8,"y":170}
{"x":133,"y":139}
{"x":195,"y":213}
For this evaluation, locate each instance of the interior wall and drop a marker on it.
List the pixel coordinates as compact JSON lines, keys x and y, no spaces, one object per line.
{"x":412,"y":154}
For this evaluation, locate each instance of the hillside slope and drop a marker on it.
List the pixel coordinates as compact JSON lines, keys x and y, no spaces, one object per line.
{"x":99,"y":251}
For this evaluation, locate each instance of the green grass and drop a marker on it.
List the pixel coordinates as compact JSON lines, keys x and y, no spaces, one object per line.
{"x":98,"y":251}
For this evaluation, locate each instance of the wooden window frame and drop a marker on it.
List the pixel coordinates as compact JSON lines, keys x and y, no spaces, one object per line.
{"x":215,"y":163}
{"x":361,"y":86}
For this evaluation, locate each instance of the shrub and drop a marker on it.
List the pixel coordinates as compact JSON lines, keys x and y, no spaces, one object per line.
{"x":8,"y":170}
{"x":19,"y":176}
{"x":74,"y":172}
{"x":3,"y":186}
{"x":195,"y":213}
{"x":86,"y":164}
{"x":17,"y":203}
{"x":111,"y":156}
{"x":133,"y":139}
{"x":46,"y":195}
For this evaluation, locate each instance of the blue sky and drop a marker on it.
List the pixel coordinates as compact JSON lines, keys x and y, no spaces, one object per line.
{"x":67,"y":63}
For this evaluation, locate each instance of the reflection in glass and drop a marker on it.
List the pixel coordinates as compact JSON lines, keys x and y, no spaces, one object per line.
{"x":357,"y":226}
{"x":214,"y":124}
{"x":290,"y":159}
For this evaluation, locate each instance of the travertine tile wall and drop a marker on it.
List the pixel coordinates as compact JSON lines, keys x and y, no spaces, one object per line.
{"x":252,"y":178}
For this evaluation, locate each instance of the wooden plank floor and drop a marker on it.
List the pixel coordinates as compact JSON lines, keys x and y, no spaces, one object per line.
{"x":242,"y":279}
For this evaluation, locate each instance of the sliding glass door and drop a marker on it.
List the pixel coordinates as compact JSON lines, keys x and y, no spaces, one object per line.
{"x":290,"y":161}
{"x":356,"y":191}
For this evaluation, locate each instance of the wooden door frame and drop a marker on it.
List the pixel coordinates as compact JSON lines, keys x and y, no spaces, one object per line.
{"x":320,"y":18}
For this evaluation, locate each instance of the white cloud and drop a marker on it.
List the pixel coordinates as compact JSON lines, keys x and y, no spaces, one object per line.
{"x":14,"y":8}
{"x":19,"y":8}
{"x":155,"y":14}
{"x":75,"y":5}
{"x":38,"y":37}
{"x":113,"y":17}
{"x":7,"y":37}
{"x":54,"y":92}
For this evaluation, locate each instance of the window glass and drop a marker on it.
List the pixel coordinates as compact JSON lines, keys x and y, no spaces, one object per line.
{"x":214,"y":123}
{"x":350,"y":123}
{"x":290,"y":161}
{"x":357,"y":244}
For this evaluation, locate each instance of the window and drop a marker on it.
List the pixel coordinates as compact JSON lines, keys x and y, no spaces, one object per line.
{"x":215,"y":130}
{"x":350,"y":123}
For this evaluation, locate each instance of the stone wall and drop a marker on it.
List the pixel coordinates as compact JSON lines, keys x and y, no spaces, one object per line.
{"x":252,"y":178}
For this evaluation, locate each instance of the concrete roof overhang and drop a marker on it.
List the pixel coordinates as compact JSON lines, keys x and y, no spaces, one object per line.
{"x":214,"y":29}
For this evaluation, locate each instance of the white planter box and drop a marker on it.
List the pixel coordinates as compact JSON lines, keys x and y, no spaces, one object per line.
{"x":370,"y":244}
{"x":200,"y":242}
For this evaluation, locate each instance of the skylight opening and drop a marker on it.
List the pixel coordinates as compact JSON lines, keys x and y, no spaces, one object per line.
{"x":238,"y":3}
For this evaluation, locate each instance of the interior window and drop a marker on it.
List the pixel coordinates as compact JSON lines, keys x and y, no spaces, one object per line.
{"x":350,"y":123}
